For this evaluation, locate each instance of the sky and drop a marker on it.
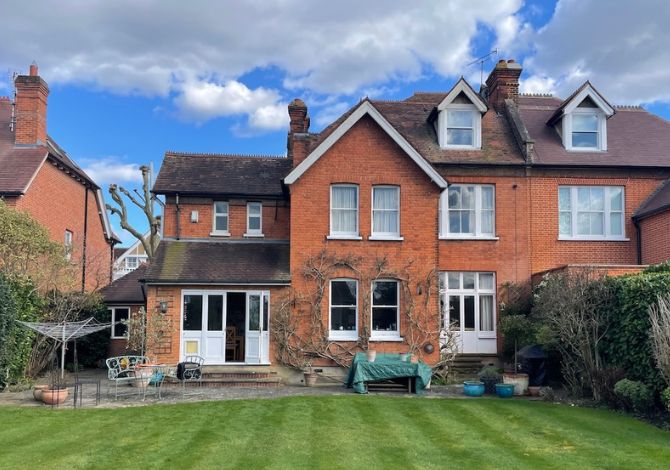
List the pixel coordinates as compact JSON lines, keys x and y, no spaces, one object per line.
{"x":132,"y":79}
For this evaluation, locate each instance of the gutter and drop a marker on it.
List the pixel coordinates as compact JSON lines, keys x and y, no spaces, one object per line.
{"x":638,"y":244}
{"x":178,"y":215}
{"x":215,"y":283}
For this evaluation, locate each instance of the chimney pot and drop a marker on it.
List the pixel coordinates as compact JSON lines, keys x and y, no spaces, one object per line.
{"x":33,"y":69}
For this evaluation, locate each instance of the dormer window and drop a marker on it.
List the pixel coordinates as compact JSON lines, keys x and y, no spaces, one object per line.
{"x":585,"y":129}
{"x":459,"y":118}
{"x":581,"y":120}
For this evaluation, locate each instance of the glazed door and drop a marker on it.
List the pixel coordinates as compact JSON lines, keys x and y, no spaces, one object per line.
{"x":258,"y":337}
{"x":214,"y":334}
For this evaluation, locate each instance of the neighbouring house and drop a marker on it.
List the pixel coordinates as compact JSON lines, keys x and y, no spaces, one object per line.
{"x":123,"y":297}
{"x":38,"y":177}
{"x":399,"y":218}
{"x":129,"y":259}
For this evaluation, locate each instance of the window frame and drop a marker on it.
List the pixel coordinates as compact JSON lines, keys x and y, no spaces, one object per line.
{"x":356,"y":235}
{"x":216,"y":214}
{"x":68,"y":243}
{"x":112,"y":310}
{"x":379,"y":335}
{"x":445,"y":229}
{"x":607,"y":212}
{"x":477,"y":292}
{"x":568,"y":126}
{"x":384,"y":235}
{"x":443,"y":125}
{"x":254,"y":232}
{"x":341,"y":335}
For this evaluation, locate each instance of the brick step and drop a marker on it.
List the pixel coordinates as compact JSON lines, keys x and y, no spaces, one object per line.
{"x":251,"y":382}
{"x":239,"y":375}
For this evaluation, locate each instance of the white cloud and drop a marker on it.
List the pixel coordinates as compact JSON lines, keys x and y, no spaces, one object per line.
{"x":201,"y":100}
{"x":622,"y":48}
{"x":152,"y":47}
{"x":537,"y":84}
{"x":108,"y":170}
{"x":330,"y":113}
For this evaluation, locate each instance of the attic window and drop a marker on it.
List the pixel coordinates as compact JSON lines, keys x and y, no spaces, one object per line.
{"x":460,"y":127}
{"x":585,"y":129}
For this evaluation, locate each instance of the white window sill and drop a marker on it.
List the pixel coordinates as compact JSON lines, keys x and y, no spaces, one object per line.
{"x":460,"y":147}
{"x":253,"y":235}
{"x":344,"y":237}
{"x":219,"y":234}
{"x":585,"y":150}
{"x":119,"y":337}
{"x":460,"y":237}
{"x":379,"y":339}
{"x":593,"y":239}
{"x":488,"y":335}
{"x":385,"y":238}
{"x":342,"y":338}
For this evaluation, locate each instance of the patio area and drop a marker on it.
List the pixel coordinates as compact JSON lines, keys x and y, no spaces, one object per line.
{"x":174,"y":393}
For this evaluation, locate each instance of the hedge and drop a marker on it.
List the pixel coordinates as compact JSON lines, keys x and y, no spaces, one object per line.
{"x":628,"y":344}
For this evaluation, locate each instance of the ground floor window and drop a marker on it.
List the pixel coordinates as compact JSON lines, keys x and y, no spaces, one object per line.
{"x":344,"y":309}
{"x":468,"y":301}
{"x":120,"y":315}
{"x":385,"y":309}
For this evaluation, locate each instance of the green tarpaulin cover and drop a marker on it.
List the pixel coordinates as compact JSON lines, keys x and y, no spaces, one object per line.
{"x":385,"y":367}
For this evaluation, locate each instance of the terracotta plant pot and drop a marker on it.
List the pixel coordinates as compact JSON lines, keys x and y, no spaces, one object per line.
{"x":143,"y":376}
{"x":54,"y":397}
{"x":371,"y":355}
{"x":37,"y":391}
{"x":534,"y":391}
{"x":310,"y":379}
{"x":520,"y":382}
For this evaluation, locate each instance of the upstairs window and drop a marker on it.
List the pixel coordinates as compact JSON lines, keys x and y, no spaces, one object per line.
{"x":591,"y":212}
{"x":68,"y":245}
{"x":254,"y":219}
{"x":344,"y":309}
{"x":468,"y":211}
{"x":385,"y":212}
{"x":221,"y":217}
{"x":585,"y":130}
{"x":344,"y":211}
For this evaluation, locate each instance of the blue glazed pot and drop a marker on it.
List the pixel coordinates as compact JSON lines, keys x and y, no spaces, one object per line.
{"x":472,"y":388}
{"x":505,"y":390}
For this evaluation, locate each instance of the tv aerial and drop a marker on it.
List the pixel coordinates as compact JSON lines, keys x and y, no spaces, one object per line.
{"x":481,"y":61}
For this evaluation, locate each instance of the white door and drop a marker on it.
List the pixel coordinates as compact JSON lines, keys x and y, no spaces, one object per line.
{"x":468,"y":302}
{"x":214,"y":332}
{"x":258,"y":337}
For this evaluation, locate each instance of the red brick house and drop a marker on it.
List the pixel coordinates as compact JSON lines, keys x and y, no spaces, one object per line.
{"x":38,"y":177}
{"x":399,"y":218}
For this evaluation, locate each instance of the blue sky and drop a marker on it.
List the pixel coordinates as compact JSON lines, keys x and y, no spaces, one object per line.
{"x":130,"y":80}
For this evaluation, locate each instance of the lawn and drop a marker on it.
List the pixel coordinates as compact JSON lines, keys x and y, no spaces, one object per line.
{"x":331,"y":432}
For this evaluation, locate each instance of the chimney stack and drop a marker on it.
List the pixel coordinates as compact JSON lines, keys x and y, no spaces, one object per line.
{"x":503,"y":83}
{"x":30,"y":109}
{"x":298,"y":134}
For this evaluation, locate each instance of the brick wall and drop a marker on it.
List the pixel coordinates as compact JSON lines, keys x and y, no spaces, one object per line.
{"x":56,"y":201}
{"x":367,"y":156}
{"x":656,"y":238}
{"x":118,"y":347}
{"x":548,"y":252}
{"x":275,"y":220}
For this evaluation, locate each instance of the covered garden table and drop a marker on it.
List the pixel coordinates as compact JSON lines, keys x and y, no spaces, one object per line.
{"x":386,"y":367}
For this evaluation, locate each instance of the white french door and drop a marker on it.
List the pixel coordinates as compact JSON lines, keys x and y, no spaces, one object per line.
{"x":258,"y":337}
{"x":206,"y":330}
{"x":468,"y":306}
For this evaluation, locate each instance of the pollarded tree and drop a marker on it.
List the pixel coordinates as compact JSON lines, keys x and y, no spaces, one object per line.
{"x":145,"y":201}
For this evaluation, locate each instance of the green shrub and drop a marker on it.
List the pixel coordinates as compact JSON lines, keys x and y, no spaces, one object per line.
{"x":665,"y":398}
{"x":634,"y":395}
{"x":490,"y":373}
{"x":627,"y":343}
{"x":658,"y":268}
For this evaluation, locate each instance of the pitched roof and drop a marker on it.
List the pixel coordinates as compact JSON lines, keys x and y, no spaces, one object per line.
{"x":635,"y":137}
{"x":127,"y":289}
{"x":365,"y":108}
{"x":658,"y":201}
{"x":229,"y":262}
{"x":219,"y":174}
{"x":19,"y":165}
{"x":584,"y":91}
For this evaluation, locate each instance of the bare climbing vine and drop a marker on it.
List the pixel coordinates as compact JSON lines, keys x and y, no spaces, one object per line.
{"x":299,"y":324}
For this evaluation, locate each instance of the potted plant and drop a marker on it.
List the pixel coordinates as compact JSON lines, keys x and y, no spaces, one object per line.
{"x":516,"y":328}
{"x":310,"y":375}
{"x":490,"y":376}
{"x":473,"y":388}
{"x":56,"y":392}
{"x":534,"y":390}
{"x":38,"y":390}
{"x":504,"y":390}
